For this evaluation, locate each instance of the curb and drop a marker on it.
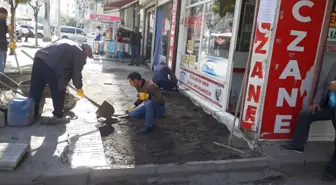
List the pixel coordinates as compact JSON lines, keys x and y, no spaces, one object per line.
{"x":145,"y":171}
{"x":86,"y":176}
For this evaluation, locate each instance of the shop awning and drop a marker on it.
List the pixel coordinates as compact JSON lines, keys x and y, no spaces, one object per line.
{"x":116,"y":4}
{"x":128,"y":5}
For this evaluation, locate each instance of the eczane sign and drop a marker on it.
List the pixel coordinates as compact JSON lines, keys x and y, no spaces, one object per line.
{"x":291,"y":67}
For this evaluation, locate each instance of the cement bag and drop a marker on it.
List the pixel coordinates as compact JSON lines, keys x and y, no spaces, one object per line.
{"x":20,"y":112}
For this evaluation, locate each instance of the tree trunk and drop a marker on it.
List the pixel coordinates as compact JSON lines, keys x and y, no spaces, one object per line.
{"x":36,"y":41}
{"x":46,"y":24}
{"x":11,"y":33}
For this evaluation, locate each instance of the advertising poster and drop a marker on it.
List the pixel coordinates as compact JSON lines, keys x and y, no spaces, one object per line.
{"x":185,"y":60}
{"x":190,"y":47}
{"x":291,"y":69}
{"x":192,"y":61}
{"x":214,"y":66}
{"x":209,"y":89}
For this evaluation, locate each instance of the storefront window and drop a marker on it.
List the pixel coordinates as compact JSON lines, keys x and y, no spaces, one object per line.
{"x":193,"y":22}
{"x":209,"y":31}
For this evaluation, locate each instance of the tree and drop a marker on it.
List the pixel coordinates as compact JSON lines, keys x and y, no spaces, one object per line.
{"x":36,"y":5}
{"x":46,"y":23}
{"x":69,"y":21}
{"x":13,"y":5}
{"x":220,"y":8}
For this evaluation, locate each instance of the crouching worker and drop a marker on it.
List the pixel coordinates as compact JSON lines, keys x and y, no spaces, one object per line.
{"x":56,"y":65}
{"x":164,"y":77}
{"x":150,"y":102}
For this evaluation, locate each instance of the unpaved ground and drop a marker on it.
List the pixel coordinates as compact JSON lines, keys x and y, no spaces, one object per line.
{"x":186,"y":133}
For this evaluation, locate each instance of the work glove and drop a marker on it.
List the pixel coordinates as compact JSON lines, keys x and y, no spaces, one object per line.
{"x":80,"y":93}
{"x":143,"y":96}
{"x":131,"y":108}
{"x":12,"y":45}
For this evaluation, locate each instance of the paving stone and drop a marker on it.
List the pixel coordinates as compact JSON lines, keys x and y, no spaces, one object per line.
{"x":11,"y":154}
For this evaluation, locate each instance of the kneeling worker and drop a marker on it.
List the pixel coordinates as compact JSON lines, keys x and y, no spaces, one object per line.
{"x":161,"y":75}
{"x":56,"y":65}
{"x":150,"y":102}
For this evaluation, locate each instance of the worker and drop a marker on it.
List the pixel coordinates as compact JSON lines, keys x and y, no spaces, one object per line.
{"x":56,"y":65}
{"x":150,"y":102}
{"x":3,"y":39}
{"x":164,"y":77}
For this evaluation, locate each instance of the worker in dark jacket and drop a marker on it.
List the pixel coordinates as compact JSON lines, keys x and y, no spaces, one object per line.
{"x":164,"y":77}
{"x":135,"y":41}
{"x":56,"y":65}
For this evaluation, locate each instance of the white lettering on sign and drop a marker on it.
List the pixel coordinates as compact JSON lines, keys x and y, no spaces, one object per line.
{"x":296,"y":11}
{"x":290,"y":99}
{"x":292,"y":69}
{"x":300,"y":35}
{"x":280,"y":122}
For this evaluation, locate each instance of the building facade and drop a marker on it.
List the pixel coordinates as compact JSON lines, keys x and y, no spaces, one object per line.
{"x":272,"y":55}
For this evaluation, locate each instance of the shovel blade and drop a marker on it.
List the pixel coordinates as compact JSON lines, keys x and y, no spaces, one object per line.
{"x":105,"y":110}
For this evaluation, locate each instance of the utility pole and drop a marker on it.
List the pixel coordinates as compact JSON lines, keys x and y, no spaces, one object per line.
{"x":58,"y":18}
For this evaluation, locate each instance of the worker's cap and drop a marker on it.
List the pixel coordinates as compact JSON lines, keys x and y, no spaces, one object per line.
{"x":88,"y":47}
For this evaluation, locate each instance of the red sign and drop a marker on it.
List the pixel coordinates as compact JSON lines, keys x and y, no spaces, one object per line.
{"x":105,"y":17}
{"x":193,"y":21}
{"x":291,"y":67}
{"x":256,"y":80}
{"x":172,"y":34}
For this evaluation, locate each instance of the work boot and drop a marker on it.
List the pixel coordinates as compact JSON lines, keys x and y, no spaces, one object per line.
{"x":329,"y":173}
{"x":55,"y":121}
{"x":291,"y":147}
{"x":131,"y":64}
{"x":145,"y":130}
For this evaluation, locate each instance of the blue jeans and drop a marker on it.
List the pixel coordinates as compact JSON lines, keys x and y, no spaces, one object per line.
{"x":2,"y":60}
{"x":135,"y":54}
{"x":148,"y":110}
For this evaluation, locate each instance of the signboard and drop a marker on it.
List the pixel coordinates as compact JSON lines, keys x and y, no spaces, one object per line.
{"x":105,"y":17}
{"x":172,"y":34}
{"x":185,"y":60}
{"x":331,"y":35}
{"x":190,"y":46}
{"x":260,"y":53}
{"x":291,"y":67}
{"x":209,"y":89}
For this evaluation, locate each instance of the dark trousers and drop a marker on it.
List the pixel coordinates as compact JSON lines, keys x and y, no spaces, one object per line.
{"x":168,"y":85}
{"x":303,"y":126}
{"x":135,"y":54}
{"x":43,"y":75}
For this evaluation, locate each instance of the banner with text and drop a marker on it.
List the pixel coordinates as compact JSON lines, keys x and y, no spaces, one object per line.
{"x":256,"y":80}
{"x":291,"y":69}
{"x":209,"y":89}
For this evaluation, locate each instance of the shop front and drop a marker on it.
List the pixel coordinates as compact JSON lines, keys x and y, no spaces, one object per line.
{"x":213,"y":50}
{"x":289,"y":57}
